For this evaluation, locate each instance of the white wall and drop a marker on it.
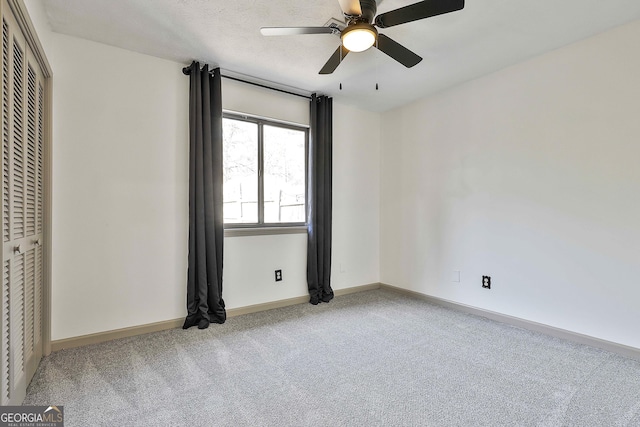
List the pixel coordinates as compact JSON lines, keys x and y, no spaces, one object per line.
{"x":356,"y":197}
{"x":120,"y":155}
{"x":529,"y":175}
{"x":120,"y":192}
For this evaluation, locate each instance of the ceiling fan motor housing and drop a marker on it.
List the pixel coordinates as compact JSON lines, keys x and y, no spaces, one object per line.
{"x":369,"y":9}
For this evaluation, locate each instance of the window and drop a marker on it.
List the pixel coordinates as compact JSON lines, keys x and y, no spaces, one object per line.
{"x":264,"y":172}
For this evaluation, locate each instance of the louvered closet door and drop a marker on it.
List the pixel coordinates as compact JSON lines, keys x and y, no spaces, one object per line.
{"x":22,"y":212}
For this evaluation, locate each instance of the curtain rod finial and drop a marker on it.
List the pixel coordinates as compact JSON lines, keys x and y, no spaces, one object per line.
{"x":187,"y":70}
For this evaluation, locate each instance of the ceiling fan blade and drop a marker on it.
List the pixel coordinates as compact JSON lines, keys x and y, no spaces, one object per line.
{"x":416,"y":11}
{"x":294,"y":31}
{"x":397,"y":51}
{"x":350,"y":7}
{"x":335,"y":60}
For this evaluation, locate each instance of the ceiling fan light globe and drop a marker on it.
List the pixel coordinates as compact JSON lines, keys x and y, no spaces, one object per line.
{"x":359,"y":37}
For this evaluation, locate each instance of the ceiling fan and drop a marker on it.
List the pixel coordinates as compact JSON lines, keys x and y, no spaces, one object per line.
{"x":360,"y":33}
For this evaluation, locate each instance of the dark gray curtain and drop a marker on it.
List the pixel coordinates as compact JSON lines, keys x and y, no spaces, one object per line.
{"x":206,"y":234}
{"x":319,"y":200}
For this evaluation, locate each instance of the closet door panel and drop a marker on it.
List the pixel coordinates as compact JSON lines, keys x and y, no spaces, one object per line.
{"x":23,"y":130}
{"x":5,"y":378}
{"x":5,"y":307}
{"x":33,"y":237}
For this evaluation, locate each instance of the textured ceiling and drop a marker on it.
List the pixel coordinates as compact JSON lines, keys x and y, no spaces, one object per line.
{"x":485,"y":36}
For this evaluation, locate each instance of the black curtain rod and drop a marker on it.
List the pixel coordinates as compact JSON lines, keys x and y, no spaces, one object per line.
{"x":265,"y":86}
{"x":187,"y":71}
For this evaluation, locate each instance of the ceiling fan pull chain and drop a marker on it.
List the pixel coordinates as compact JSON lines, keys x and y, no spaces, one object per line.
{"x":377,"y":67}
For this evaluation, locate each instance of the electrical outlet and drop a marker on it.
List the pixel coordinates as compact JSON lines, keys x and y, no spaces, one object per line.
{"x":455,"y":276}
{"x":486,"y":282}
{"x":278,"y":275}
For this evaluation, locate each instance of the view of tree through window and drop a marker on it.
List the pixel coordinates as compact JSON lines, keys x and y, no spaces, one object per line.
{"x":240,"y":148}
{"x":275,"y":196}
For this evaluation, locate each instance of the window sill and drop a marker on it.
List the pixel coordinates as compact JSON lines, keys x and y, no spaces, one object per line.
{"x":264,"y":231}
